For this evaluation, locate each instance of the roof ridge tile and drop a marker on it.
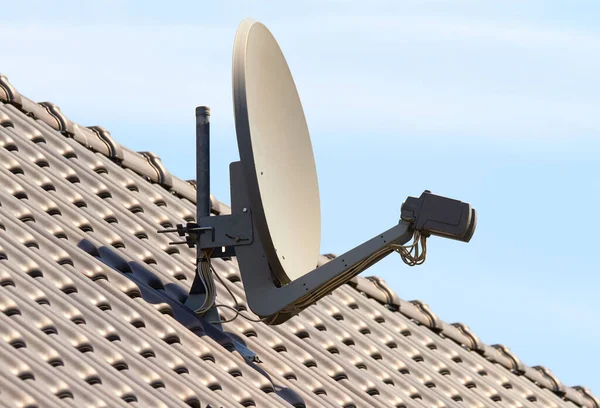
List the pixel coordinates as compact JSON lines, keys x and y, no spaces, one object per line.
{"x":588,"y":395}
{"x":164,"y":177}
{"x":115,"y":151}
{"x":64,"y":125}
{"x":8,"y":93}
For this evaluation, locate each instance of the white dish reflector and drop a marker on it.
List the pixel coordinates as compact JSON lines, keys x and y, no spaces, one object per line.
{"x":276,"y":153}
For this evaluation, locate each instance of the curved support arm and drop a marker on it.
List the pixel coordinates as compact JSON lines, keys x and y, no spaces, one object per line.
{"x":275,"y":303}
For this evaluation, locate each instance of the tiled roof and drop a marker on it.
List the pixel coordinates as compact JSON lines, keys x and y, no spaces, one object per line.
{"x":92,"y":315}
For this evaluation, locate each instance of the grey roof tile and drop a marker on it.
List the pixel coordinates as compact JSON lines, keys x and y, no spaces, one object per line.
{"x":91,"y":297}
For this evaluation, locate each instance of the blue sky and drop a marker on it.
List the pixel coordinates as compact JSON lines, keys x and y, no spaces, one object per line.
{"x":494,"y":103}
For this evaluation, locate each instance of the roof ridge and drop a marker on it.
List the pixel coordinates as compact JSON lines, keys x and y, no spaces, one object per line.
{"x":98,"y":139}
{"x":149,"y":166}
{"x":376,"y":288}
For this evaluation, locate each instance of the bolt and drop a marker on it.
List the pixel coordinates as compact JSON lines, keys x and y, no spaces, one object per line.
{"x":244,"y":209}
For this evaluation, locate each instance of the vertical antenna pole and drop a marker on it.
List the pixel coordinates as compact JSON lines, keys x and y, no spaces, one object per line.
{"x":198,"y":291}
{"x":202,"y":163}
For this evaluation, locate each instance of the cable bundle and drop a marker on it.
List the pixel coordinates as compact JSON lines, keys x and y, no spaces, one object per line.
{"x":204,"y":271}
{"x":411,"y":254}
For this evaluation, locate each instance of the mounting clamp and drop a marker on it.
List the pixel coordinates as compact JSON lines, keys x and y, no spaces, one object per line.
{"x":223,"y":232}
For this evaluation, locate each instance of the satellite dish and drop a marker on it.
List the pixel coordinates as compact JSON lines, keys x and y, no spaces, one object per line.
{"x":276,"y":153}
{"x":274,"y":228}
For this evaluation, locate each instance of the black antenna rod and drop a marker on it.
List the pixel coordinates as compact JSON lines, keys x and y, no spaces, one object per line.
{"x":198,"y":291}
{"x":202,"y":163}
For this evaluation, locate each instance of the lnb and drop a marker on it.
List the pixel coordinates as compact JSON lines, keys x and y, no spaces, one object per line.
{"x":436,"y":215}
